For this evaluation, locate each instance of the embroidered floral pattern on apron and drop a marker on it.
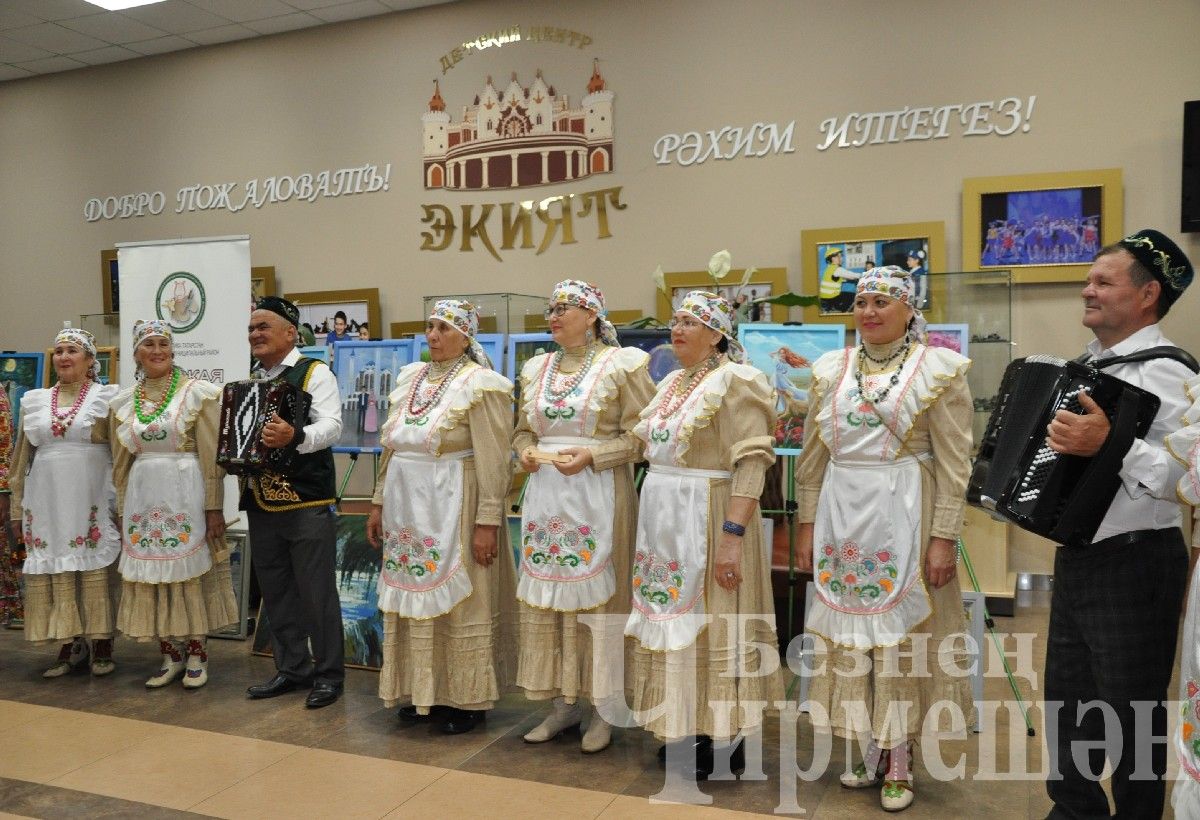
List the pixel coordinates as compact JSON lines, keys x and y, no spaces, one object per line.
{"x":657,"y":580}
{"x":848,"y":568}
{"x":415,"y":555}
{"x":558,"y":543}
{"x":159,"y":527}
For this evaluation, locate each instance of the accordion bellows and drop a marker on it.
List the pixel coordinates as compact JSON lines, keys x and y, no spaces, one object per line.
{"x":1017,"y":476}
{"x":246,"y":406}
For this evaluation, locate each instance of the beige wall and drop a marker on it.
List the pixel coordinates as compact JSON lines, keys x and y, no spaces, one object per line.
{"x":1110,"y":86}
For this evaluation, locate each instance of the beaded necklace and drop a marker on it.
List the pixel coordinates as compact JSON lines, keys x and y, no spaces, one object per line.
{"x":878,"y":396}
{"x":675,"y":397}
{"x":417,"y":410}
{"x":61,"y":420}
{"x":554,"y":394}
{"x":139,"y":397}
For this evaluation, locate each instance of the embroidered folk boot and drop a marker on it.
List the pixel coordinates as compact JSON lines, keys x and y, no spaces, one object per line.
{"x":172,"y":665}
{"x":197,"y":665}
{"x":562,"y":716}
{"x":897,"y":793}
{"x":70,"y":656}
{"x":102,"y":661}
{"x":870,"y":771}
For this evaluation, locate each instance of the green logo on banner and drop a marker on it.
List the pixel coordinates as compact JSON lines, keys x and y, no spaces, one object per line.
{"x":180,"y":301}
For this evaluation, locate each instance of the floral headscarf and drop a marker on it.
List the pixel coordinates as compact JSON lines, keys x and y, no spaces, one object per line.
{"x":587,"y":296}
{"x":144,"y":329}
{"x":464,"y":318}
{"x":80,"y":338}
{"x":715,"y":312}
{"x":895,"y":283}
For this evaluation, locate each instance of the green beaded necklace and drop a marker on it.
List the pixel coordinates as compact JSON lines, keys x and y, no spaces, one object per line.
{"x":139,"y":396}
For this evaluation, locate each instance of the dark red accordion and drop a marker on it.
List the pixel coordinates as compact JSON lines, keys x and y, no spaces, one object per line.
{"x":246,"y":406}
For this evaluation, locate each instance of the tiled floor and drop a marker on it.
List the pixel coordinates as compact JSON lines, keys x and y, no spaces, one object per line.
{"x":81,"y":746}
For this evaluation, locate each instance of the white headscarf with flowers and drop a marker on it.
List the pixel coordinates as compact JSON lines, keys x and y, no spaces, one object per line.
{"x":81,"y":339}
{"x":715,"y":312}
{"x":144,"y":329}
{"x":463,"y":317}
{"x":896,"y":283}
{"x":587,"y":296}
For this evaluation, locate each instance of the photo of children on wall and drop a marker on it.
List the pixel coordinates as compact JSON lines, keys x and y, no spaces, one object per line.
{"x":842,"y":263}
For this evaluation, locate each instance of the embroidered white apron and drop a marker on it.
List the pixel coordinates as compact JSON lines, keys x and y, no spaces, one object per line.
{"x":1186,"y":798}
{"x":566,"y":521}
{"x":70,"y":503}
{"x":423,"y":574}
{"x":671,"y":558}
{"x":866,"y":543}
{"x":165,"y":529}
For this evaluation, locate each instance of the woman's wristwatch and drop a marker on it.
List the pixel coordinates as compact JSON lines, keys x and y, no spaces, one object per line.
{"x":733,"y":529}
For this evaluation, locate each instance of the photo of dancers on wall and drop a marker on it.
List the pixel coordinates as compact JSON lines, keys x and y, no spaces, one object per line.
{"x":1053,"y":227}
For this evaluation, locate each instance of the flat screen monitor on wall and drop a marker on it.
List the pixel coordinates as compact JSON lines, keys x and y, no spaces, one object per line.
{"x":1190,"y":206}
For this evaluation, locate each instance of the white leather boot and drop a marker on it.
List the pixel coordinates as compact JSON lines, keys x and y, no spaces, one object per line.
{"x":172,"y":665}
{"x":598,"y":734}
{"x":561,"y":717}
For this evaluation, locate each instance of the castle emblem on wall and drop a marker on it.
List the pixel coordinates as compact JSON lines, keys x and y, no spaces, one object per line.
{"x":518,"y":137}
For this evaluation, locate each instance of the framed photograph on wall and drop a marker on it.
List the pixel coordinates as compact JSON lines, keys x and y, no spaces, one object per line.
{"x":366,"y":375}
{"x":833,"y":259}
{"x":785,"y":353}
{"x":319,"y":310}
{"x":656,"y":342}
{"x":262,"y":282}
{"x":109,"y":291}
{"x":764,"y":283}
{"x":105,"y":356}
{"x":492,"y":343}
{"x":1042,"y":227}
{"x":20,"y":373}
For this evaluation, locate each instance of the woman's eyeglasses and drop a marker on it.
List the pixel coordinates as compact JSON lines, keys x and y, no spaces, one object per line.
{"x":686,"y":324}
{"x":556,"y":311}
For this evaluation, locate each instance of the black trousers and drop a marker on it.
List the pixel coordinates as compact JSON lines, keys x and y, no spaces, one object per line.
{"x":294,"y":555}
{"x":1114,"y":618}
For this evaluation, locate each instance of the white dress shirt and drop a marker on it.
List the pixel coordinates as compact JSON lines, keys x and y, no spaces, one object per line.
{"x":326,"y":412}
{"x":1146,"y":499}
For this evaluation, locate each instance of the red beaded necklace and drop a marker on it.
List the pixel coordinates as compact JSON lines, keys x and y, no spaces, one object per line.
{"x":675,"y":397}
{"x":61,"y":420}
{"x":416,"y":411}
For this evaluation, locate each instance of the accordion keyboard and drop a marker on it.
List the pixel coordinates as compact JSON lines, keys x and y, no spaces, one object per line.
{"x":1034,"y":480}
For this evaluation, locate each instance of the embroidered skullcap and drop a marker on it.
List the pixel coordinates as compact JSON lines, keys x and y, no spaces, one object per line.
{"x":280,"y":306}
{"x":1163,"y":258}
{"x":80,"y":338}
{"x":144,"y":329}
{"x":895,"y":283}
{"x":587,"y":296}
{"x":715,"y":312}
{"x":463,"y":317}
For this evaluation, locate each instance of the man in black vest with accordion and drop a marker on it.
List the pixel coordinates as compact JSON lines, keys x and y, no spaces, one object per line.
{"x":293,"y":524}
{"x":1115,"y":611}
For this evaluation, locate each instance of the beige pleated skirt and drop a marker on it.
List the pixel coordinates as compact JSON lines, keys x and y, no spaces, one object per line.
{"x":465,"y":658}
{"x":179,"y":610}
{"x":730,"y":678}
{"x":556,"y":649}
{"x":67,"y":605}
{"x":892,"y":700}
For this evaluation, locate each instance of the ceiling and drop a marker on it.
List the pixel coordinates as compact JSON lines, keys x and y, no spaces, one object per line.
{"x":46,"y":36}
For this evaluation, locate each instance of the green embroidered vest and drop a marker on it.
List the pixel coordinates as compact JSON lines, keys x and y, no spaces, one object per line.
{"x":309,"y":481}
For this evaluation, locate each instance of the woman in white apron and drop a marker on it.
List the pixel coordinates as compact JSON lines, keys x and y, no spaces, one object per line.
{"x":174,"y":563}
{"x":1184,"y":444}
{"x":577,"y":519}
{"x":881,"y":484}
{"x":62,"y":499}
{"x":700,"y":556}
{"x":438,"y":516}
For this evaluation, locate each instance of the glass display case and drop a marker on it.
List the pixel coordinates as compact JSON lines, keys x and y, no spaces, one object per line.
{"x":982,"y":302}
{"x":504,"y":313}
{"x":106,"y":327}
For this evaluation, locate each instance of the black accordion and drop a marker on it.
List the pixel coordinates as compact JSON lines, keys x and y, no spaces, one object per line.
{"x":246,"y":406}
{"x":1017,"y":476}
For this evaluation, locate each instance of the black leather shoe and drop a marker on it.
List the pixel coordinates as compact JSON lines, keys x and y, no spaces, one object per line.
{"x":409,"y":714}
{"x":702,"y":744}
{"x":459,"y":721}
{"x":323,"y":693}
{"x":276,"y":686}
{"x":705,"y":763}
